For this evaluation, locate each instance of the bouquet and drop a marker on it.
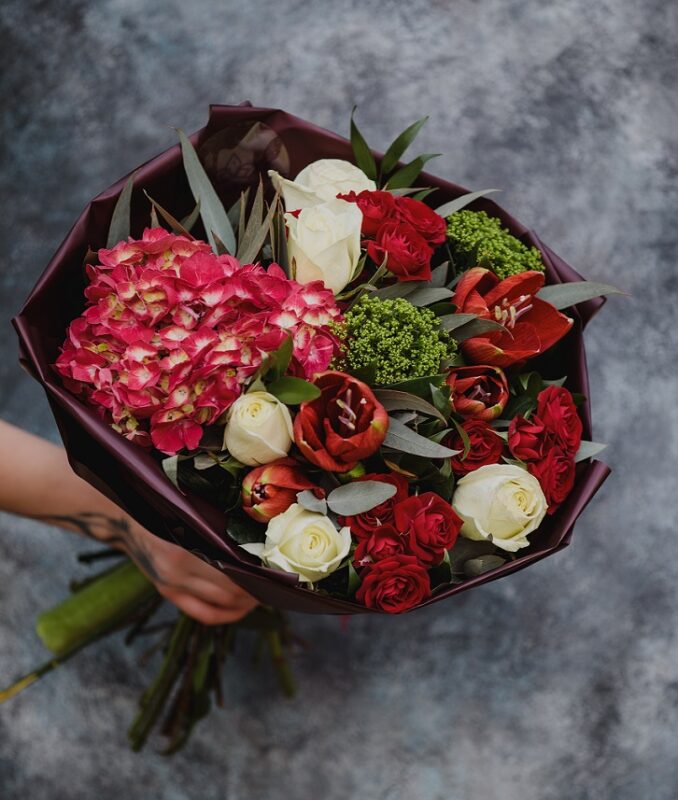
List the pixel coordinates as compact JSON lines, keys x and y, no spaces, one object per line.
{"x":347,"y":384}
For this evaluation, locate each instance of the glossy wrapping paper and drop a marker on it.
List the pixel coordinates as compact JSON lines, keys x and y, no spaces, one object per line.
{"x":238,"y":144}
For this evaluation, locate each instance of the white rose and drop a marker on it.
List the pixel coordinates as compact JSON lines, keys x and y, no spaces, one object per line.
{"x":321,"y":181}
{"x":501,"y":502}
{"x":324,"y":243}
{"x":258,"y":429}
{"x":303,"y":542}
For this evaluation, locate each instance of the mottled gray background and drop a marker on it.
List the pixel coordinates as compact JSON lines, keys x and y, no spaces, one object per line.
{"x":559,"y":683}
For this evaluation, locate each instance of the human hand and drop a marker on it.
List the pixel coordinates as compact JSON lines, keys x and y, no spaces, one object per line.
{"x":196,"y":588}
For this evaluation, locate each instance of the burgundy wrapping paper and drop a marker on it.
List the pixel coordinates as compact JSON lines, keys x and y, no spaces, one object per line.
{"x":238,"y":144}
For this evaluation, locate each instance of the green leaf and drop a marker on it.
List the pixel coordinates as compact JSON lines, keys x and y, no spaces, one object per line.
{"x":423,"y":194}
{"x":189,"y":221}
{"x":353,"y":580}
{"x":466,"y":442}
{"x":478,"y":566}
{"x":418,"y":386}
{"x":408,"y":174}
{"x":310,"y":502}
{"x":400,"y":437}
{"x":363,"y":155}
{"x":172,"y":221}
{"x":427,"y":295}
{"x":564,"y":295}
{"x":359,"y":496}
{"x":476,"y":327}
{"x":170,"y":467}
{"x":244,"y":530}
{"x":451,"y":322}
{"x":439,"y":275}
{"x":440,"y":396}
{"x":396,"y":149}
{"x":275,"y":364}
{"x":460,"y":202}
{"x":293,"y":391}
{"x":256,"y":230}
{"x":214,"y":217}
{"x":394,"y":400}
{"x":120,"y":226}
{"x":589,"y":450}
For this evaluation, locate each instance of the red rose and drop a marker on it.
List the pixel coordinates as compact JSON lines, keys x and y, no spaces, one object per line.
{"x":383,"y":543}
{"x":431,"y":523}
{"x":424,"y":220}
{"x":528,"y":439}
{"x":364,"y":525}
{"x":377,"y":208}
{"x":409,"y":254}
{"x":343,"y":425}
{"x":555,"y":473}
{"x":533,"y":325}
{"x":271,"y":489}
{"x":481,"y":392}
{"x":556,"y":409}
{"x":394,"y":584}
{"x":486,"y":446}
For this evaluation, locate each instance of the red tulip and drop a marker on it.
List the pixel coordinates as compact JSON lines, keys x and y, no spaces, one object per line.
{"x":271,"y":489}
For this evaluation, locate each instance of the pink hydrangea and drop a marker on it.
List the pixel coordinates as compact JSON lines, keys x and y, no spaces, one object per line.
{"x":171,"y":334}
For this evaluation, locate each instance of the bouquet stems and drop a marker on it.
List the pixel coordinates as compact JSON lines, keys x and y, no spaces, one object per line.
{"x":191,"y":669}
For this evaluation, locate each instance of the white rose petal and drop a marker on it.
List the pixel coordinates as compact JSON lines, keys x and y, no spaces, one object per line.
{"x":324,"y":243}
{"x":320,"y":181}
{"x":303,"y":542}
{"x":258,"y":429}
{"x":501,"y":502}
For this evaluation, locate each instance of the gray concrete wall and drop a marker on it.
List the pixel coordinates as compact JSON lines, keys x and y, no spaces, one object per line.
{"x":559,"y":683}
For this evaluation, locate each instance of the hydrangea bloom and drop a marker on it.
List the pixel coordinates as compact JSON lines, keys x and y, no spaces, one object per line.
{"x":171,"y":333}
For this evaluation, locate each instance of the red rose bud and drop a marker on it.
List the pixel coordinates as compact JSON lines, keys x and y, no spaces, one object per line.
{"x":364,"y":525}
{"x":432,"y":526}
{"x":377,"y":208}
{"x":344,"y":425}
{"x":383,"y":543}
{"x":481,"y":391}
{"x":486,"y":446}
{"x":533,"y":325}
{"x":271,"y":489}
{"x":528,"y":439}
{"x":555,"y":473}
{"x":424,"y":220}
{"x":394,"y":584}
{"x":409,"y":254}
{"x":556,"y":409}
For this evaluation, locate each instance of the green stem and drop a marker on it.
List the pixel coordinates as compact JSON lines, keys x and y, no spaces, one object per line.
{"x":32,"y":677}
{"x":155,"y":696}
{"x":280,"y":664}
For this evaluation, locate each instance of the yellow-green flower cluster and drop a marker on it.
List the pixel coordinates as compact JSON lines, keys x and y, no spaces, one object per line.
{"x":394,"y":337}
{"x":479,"y":240}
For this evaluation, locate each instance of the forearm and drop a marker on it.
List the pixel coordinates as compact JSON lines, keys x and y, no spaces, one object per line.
{"x":28,"y":462}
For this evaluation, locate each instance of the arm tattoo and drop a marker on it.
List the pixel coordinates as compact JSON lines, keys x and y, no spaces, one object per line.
{"x":111,"y":531}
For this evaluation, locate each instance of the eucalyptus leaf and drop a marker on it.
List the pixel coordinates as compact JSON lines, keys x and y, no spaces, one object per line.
{"x":396,"y":149}
{"x":428,"y":295}
{"x":120,"y":226}
{"x":482,"y":564}
{"x":170,"y":467}
{"x":589,"y":450}
{"x":410,"y":172}
{"x":213,"y":213}
{"x":418,"y":386}
{"x":564,"y":295}
{"x":171,"y":220}
{"x":358,"y":497}
{"x":310,"y":502}
{"x":189,"y":221}
{"x":451,"y":322}
{"x":461,"y":202}
{"x":476,"y":327}
{"x":353,"y":580}
{"x":363,"y":155}
{"x":439,"y":275}
{"x":400,"y":437}
{"x":293,"y":391}
{"x":394,"y":400}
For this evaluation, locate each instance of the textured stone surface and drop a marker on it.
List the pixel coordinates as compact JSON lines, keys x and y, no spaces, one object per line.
{"x":559,"y":683}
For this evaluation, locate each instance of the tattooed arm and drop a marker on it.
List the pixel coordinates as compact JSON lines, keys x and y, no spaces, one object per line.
{"x":37,"y":481}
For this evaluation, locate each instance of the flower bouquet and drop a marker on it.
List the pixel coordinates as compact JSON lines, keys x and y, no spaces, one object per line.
{"x":351,"y":386}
